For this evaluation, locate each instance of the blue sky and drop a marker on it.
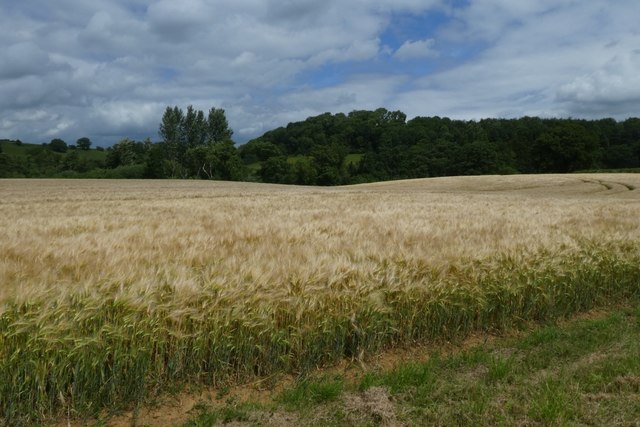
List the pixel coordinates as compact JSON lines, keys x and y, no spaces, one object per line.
{"x":107,"y":69}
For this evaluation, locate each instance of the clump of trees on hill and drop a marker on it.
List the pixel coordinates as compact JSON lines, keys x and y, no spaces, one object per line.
{"x":52,"y":159}
{"x":193,"y":146}
{"x":335,"y":149}
{"x":379,"y":145}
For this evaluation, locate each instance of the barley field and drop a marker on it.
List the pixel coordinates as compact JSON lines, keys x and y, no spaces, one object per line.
{"x":114,"y":291}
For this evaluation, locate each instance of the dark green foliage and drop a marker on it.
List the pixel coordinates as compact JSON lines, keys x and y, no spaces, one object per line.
{"x":58,"y":145}
{"x":216,"y":161}
{"x":275,"y":169}
{"x":126,"y":152}
{"x":84,"y":143}
{"x":317,"y":151}
{"x":8,"y":167}
{"x":193,"y":146}
{"x":566,"y":147}
{"x":196,"y":147}
{"x":389,"y":147}
{"x":155,"y":161}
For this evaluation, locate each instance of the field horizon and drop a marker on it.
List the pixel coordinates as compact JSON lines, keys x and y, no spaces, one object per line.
{"x":114,"y":291}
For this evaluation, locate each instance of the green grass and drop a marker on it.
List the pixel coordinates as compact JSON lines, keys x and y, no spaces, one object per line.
{"x":307,"y":393}
{"x":92,"y":154}
{"x":12,"y":149}
{"x":231,"y":411}
{"x":292,"y":160}
{"x":353,"y":159}
{"x":584,"y":372}
{"x":254,"y":167}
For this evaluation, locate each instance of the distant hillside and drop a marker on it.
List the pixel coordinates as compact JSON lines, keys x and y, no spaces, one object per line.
{"x":367,"y":146}
{"x":24,"y":160}
{"x":338,"y":149}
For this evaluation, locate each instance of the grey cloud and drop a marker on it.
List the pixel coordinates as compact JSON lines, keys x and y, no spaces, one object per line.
{"x":107,"y":68}
{"x":108,"y":35}
{"x":184,"y":21}
{"x":298,"y":12}
{"x":489,"y":20}
{"x":23,"y":59}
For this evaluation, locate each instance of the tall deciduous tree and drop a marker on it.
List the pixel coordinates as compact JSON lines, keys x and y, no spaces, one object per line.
{"x":194,"y":127}
{"x":217,"y":126}
{"x":58,"y":145}
{"x":83,"y":143}
{"x":172,"y":133}
{"x":197,"y":146}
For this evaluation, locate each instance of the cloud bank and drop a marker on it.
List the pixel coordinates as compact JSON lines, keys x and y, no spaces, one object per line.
{"x":107,"y":69}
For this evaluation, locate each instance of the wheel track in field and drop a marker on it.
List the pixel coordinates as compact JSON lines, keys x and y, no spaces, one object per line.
{"x":611,"y":187}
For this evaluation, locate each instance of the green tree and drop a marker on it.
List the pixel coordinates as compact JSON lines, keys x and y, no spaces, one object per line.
{"x":566,"y":147}
{"x":194,"y":128}
{"x":7,"y":166}
{"x":259,"y":150}
{"x":43,"y":163}
{"x":172,"y":133}
{"x":83,"y":143}
{"x":125,"y":152}
{"x":58,"y":145}
{"x":275,"y":169}
{"x":188,"y":138}
{"x":155,"y":166}
{"x":303,"y":172}
{"x":71,"y":161}
{"x":217,"y":126}
{"x":226,"y":162}
{"x":216,"y":161}
{"x":477,"y":158}
{"x":328,"y":161}
{"x":620,"y":156}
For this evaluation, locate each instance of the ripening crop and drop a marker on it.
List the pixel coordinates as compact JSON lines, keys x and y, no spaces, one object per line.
{"x":112,"y":291}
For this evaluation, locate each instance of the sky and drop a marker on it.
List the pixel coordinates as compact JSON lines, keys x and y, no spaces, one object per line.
{"x":107,"y":69}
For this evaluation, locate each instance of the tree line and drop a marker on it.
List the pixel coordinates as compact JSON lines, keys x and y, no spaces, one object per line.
{"x":193,"y":145}
{"x":366,"y":146}
{"x":337,"y":149}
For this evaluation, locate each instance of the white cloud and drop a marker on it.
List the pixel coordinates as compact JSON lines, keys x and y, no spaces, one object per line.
{"x":367,"y":91}
{"x":106,"y":67}
{"x":416,"y":49}
{"x":547,"y":59}
{"x":60,"y":127}
{"x":617,"y":81}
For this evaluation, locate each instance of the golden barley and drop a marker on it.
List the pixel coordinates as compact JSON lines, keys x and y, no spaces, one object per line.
{"x":112,"y":290}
